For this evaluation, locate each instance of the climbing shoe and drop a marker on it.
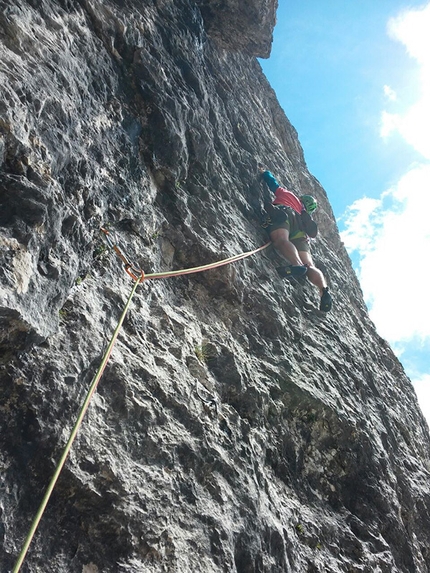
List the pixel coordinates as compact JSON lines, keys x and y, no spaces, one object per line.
{"x":292,"y":271}
{"x":326,"y":301}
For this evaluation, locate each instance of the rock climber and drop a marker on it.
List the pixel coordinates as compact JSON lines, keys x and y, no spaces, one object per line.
{"x":285,"y":228}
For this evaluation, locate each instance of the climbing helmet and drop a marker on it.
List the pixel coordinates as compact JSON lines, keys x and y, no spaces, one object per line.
{"x":309,"y":203}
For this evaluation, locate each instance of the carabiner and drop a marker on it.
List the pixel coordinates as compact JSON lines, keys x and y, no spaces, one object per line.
{"x":135,"y":274}
{"x":132,"y":272}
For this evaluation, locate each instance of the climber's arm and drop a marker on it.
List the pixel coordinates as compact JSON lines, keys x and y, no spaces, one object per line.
{"x":270,"y":180}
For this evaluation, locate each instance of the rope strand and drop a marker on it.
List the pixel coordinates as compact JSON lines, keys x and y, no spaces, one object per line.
{"x":168,"y":274}
{"x":72,"y":437}
{"x":138,"y":276}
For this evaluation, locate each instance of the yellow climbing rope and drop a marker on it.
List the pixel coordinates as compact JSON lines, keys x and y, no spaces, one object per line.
{"x":138,"y":276}
{"x":72,"y":437}
{"x":168,"y":274}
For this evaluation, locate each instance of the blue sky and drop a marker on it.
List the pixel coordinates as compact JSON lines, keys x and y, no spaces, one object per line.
{"x":354,"y":80}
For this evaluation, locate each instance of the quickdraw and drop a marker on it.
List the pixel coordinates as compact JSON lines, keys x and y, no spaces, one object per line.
{"x":130,"y":269}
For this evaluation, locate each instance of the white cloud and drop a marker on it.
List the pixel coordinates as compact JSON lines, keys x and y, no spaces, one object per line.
{"x":422,"y":389}
{"x":412,"y":29}
{"x":392,"y":238}
{"x":390,"y":122}
{"x":391,"y":235}
{"x":414,"y":126}
{"x":361,"y":219}
{"x":390,"y":93}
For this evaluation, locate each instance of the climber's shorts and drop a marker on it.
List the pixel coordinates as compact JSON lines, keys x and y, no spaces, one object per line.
{"x":284,"y":219}
{"x":301,"y":244}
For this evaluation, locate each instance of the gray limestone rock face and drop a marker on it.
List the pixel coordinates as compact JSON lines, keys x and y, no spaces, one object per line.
{"x":236,"y":427}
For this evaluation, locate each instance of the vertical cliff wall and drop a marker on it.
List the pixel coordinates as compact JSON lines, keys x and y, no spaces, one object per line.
{"x":236,"y":427}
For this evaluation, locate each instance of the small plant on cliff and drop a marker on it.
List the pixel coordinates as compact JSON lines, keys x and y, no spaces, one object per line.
{"x":79,"y":280}
{"x":203,"y":352}
{"x":63,"y":313}
{"x":100,"y":251}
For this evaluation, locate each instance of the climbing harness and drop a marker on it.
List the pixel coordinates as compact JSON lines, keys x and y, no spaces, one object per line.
{"x":138,"y":276}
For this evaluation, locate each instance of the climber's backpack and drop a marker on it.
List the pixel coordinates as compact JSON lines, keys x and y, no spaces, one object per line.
{"x":307,"y":224}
